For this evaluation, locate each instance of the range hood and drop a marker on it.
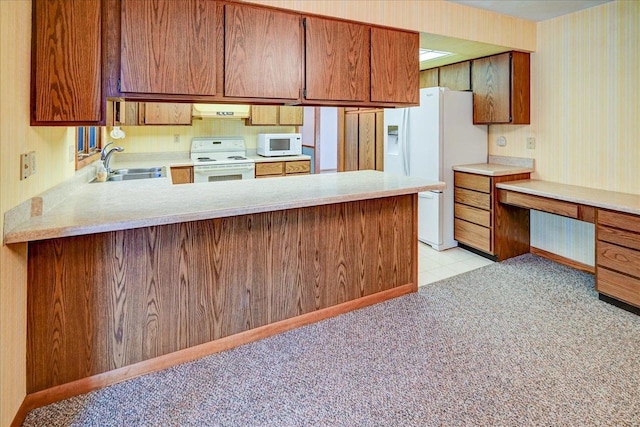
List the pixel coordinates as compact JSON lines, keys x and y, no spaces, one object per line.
{"x":221,"y":111}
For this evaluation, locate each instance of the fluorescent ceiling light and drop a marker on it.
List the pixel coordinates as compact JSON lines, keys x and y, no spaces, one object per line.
{"x":428,"y":54}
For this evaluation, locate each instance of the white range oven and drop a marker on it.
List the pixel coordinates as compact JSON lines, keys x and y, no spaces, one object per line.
{"x":220,"y":159}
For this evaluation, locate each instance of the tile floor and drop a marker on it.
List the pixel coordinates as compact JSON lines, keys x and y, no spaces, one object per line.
{"x":437,"y":265}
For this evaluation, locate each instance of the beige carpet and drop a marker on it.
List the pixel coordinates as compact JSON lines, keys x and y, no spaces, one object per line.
{"x":523,"y":342}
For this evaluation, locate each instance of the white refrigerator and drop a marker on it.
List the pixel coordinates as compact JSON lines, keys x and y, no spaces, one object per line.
{"x":426,"y":141}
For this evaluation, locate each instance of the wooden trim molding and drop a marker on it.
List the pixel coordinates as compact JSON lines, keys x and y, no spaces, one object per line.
{"x":95,"y":382}
{"x":563,"y":260}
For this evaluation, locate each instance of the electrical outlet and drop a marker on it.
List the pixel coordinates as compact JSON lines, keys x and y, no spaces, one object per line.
{"x":176,"y":139}
{"x":531,"y":143}
{"x":25,"y":166}
{"x":501,"y":141}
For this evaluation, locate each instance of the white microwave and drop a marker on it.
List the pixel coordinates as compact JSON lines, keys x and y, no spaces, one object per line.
{"x":279,"y":144}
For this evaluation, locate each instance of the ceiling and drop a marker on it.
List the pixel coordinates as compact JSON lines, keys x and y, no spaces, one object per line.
{"x":532,"y":10}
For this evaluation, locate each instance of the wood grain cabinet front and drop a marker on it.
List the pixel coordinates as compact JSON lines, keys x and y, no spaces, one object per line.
{"x":480,"y":222}
{"x":66,"y":67}
{"x":501,"y":89}
{"x":283,"y":168}
{"x":263,"y":53}
{"x":274,"y":115}
{"x":182,"y":174}
{"x":170,"y":47}
{"x":618,"y":256}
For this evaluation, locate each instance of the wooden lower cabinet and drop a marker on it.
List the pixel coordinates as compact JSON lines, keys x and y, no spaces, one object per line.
{"x":496,"y":230}
{"x":105,"y":302}
{"x":182,"y":174}
{"x":618,"y":256}
{"x":284,"y":168}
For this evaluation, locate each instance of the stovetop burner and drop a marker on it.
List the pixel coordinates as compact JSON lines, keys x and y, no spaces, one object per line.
{"x":206,"y":159}
{"x":237,"y":158}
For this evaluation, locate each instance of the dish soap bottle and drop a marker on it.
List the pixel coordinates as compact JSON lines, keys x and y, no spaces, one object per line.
{"x":101,"y":174}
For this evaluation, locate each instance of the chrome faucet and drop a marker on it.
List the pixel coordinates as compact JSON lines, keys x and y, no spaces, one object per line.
{"x":105,"y":155}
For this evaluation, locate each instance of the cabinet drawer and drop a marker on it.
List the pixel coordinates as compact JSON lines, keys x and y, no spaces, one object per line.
{"x":471,"y":214}
{"x":299,"y":166}
{"x":473,"y":198}
{"x":269,"y":168}
{"x":618,"y":286}
{"x":473,"y":235}
{"x":619,"y":237}
{"x":619,"y":220}
{"x":472,"y":182}
{"x":618,"y":258}
{"x":538,"y":203}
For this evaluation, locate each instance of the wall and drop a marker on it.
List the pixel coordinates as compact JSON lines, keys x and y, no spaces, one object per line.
{"x":52,"y":167}
{"x":428,"y":16}
{"x":584,"y":114}
{"x":151,"y":139}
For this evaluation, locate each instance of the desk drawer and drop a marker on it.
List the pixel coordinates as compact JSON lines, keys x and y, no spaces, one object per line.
{"x":618,"y":286}
{"x":473,"y":198}
{"x":619,"y":237}
{"x":469,"y":213}
{"x":473,"y":235}
{"x":543,"y":204}
{"x":619,"y":220}
{"x":472,"y":182}
{"x":618,"y":258}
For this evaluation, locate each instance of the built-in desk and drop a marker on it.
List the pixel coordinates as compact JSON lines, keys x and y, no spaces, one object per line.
{"x":617,"y":220}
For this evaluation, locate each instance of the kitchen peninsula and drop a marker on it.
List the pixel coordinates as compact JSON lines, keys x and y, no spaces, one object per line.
{"x":130,"y":277}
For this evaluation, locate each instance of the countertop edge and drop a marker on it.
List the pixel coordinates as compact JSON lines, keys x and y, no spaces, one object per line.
{"x":498,"y":169}
{"x":624,"y":202}
{"x":30,"y":231}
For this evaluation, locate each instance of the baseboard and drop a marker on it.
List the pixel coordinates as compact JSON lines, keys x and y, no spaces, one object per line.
{"x":563,"y":260}
{"x":95,"y":382}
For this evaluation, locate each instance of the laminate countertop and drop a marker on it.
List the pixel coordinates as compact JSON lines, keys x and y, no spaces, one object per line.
{"x":492,"y":169}
{"x":109,"y":206}
{"x":605,"y":199}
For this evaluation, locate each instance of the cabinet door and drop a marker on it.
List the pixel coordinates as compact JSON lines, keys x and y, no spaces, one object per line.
{"x":429,"y":78}
{"x":491,"y":89}
{"x":263,"y":53}
{"x":367,"y":141}
{"x":66,"y":83}
{"x":182,"y":174}
{"x":169,"y":47}
{"x":337,"y":60}
{"x":263,"y":115}
{"x":164,"y":113}
{"x":395,"y":66}
{"x":456,"y":76}
{"x":291,"y":116}
{"x":350,"y":142}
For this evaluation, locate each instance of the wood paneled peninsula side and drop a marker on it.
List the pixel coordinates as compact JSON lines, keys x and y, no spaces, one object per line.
{"x":126,"y":278}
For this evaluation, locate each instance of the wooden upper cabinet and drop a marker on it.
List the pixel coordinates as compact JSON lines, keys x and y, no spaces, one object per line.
{"x":456,"y":76}
{"x":169,"y":47}
{"x":66,"y":67}
{"x":395,"y":66}
{"x":337,"y":60}
{"x":163,"y":113}
{"x":501,"y":89}
{"x":263,"y":53}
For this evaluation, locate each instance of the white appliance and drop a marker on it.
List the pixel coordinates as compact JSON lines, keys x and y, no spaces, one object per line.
{"x":279,"y":144}
{"x":220,"y":159}
{"x":426,"y":141}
